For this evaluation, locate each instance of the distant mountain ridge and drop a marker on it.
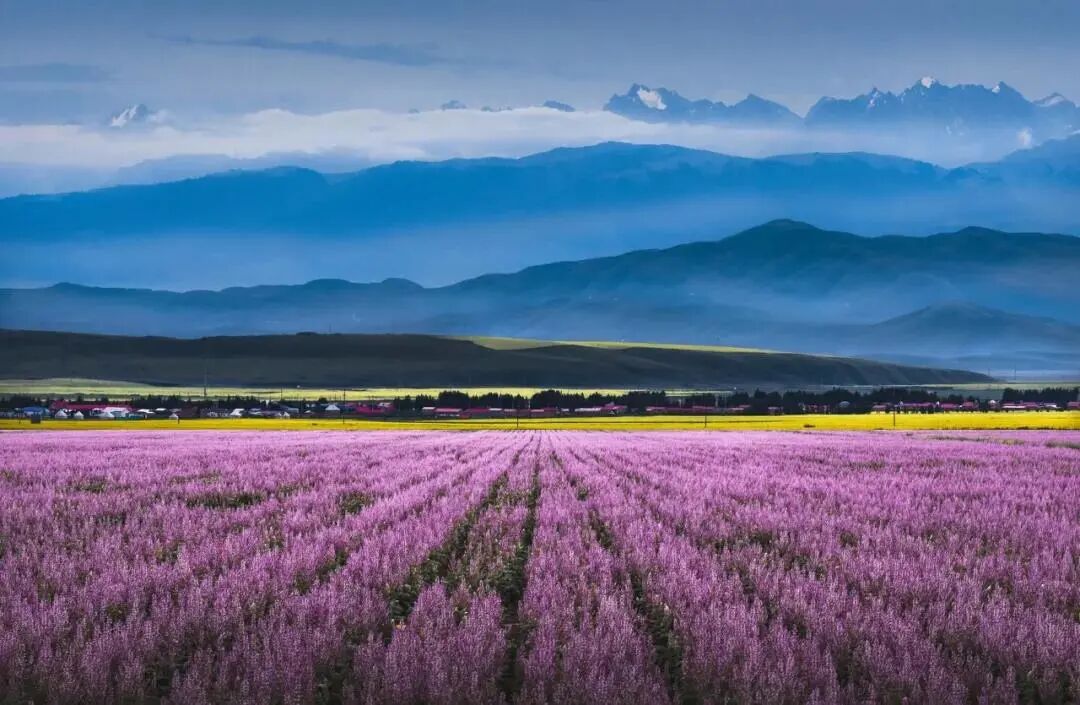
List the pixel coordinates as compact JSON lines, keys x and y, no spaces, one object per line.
{"x":784,"y":285}
{"x":663,"y":105}
{"x":569,"y":203}
{"x":928,"y":103}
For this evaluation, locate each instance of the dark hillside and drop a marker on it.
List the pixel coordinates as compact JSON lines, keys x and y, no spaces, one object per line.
{"x":428,"y":361}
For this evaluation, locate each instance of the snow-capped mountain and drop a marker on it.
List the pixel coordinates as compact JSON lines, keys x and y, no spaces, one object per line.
{"x":138,"y":114}
{"x":927,"y":104}
{"x":663,"y":105}
{"x":931,"y":103}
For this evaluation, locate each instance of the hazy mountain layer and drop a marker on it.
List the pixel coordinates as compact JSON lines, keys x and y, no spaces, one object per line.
{"x":445,"y":221}
{"x":785,"y":285}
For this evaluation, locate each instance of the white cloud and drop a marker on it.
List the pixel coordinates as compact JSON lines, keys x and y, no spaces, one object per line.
{"x":380,"y":136}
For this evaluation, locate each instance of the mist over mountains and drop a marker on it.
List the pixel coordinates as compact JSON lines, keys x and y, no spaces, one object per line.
{"x":985,"y":296}
{"x":440,"y":222}
{"x":137,"y":144}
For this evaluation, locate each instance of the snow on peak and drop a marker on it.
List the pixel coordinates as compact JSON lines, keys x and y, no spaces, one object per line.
{"x":651,"y":99}
{"x":137,"y":114}
{"x":928,"y":81}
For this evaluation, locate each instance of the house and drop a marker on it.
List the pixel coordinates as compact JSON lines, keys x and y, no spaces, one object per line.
{"x":376,"y":410}
{"x":614,"y":409}
{"x":118,"y":411}
{"x":479,"y":412}
{"x":447,"y":412}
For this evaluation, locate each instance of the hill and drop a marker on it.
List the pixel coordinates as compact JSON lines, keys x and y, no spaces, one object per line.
{"x":702,"y":292}
{"x":784,"y":285}
{"x":446,"y":221}
{"x":428,"y":361}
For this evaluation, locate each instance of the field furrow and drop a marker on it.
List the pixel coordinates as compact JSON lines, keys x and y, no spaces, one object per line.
{"x":529,"y":568}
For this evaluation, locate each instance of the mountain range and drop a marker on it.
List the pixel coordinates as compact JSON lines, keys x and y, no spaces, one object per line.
{"x":928,"y":104}
{"x":977,"y":294}
{"x":441,"y":222}
{"x":663,"y":105}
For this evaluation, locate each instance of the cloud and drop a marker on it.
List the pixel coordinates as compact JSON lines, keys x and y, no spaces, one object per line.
{"x":396,"y":54}
{"x":378,"y":136}
{"x":53,"y":73}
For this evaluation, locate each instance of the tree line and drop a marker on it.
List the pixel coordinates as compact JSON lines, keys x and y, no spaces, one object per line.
{"x":792,"y":401}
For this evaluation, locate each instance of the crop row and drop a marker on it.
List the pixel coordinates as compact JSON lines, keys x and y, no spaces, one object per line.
{"x":538,"y":568}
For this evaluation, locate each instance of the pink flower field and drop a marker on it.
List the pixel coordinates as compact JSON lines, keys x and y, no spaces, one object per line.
{"x":542,"y":567}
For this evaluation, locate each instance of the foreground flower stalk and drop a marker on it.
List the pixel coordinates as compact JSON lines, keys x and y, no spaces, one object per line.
{"x":540,"y":567}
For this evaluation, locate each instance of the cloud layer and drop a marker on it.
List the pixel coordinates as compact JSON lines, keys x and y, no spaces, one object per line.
{"x":398,"y":54}
{"x":374,"y":136}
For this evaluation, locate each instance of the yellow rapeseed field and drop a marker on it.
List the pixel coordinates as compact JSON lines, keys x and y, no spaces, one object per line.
{"x":1050,"y":420}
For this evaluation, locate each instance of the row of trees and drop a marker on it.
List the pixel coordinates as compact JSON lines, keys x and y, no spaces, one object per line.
{"x":636,"y":401}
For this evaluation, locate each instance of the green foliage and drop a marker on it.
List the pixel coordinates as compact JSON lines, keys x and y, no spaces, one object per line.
{"x":226,"y":500}
{"x":354,"y":502}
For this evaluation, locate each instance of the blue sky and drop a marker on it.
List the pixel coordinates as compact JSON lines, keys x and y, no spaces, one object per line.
{"x":70,"y":60}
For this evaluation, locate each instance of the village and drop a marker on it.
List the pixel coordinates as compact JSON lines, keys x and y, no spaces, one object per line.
{"x":406,"y":409}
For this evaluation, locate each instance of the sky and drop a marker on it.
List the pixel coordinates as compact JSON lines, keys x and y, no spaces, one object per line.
{"x":250,"y":77}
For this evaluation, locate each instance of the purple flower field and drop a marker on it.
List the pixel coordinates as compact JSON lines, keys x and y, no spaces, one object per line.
{"x":551,"y":567}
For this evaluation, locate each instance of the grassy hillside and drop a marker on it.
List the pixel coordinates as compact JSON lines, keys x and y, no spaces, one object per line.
{"x":312,"y":360}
